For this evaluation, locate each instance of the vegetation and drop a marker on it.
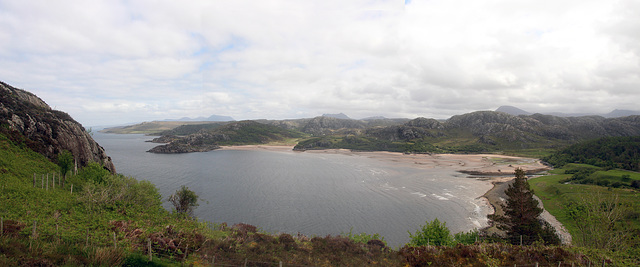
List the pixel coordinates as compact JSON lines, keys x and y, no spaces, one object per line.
{"x":593,"y":214}
{"x":65,"y":161}
{"x":432,"y":233}
{"x":184,"y":201}
{"x":608,"y":152}
{"x":521,"y":213}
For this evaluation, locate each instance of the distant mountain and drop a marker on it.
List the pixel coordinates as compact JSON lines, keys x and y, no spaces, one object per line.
{"x":337,"y":116}
{"x":617,"y":113}
{"x":621,"y":113}
{"x":374,"y":118}
{"x":210,"y":118}
{"x":513,"y":110}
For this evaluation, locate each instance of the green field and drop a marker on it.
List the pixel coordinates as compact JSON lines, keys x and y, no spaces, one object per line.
{"x":566,"y":202}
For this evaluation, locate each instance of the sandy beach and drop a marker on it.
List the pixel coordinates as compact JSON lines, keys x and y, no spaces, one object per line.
{"x":489,"y":166}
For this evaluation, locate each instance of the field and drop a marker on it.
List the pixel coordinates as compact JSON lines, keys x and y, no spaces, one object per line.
{"x":569,"y":202}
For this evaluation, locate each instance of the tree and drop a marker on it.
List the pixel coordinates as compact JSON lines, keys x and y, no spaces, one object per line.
{"x":521,"y":213}
{"x":185,"y":201}
{"x":65,"y":161}
{"x":432,"y":233}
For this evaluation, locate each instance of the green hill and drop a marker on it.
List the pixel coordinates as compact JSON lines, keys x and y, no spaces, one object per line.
{"x":234,"y":133}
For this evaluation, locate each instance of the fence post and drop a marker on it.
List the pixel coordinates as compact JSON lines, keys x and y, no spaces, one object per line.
{"x":149,"y":248}
{"x":43,"y":181}
{"x":115,"y":245}
{"x":536,"y":264}
{"x":72,"y":189}
{"x":245,"y":262}
{"x":54,"y":182}
{"x":280,"y":264}
{"x":47,"y":182}
{"x":520,"y":240}
{"x":213,"y":263}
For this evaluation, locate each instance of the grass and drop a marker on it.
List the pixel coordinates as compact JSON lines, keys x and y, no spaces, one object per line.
{"x":557,"y":196}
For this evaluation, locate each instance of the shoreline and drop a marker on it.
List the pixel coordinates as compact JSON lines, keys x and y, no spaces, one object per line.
{"x":495,"y":170}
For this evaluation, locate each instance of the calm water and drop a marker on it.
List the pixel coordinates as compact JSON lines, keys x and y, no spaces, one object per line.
{"x":310,"y":193}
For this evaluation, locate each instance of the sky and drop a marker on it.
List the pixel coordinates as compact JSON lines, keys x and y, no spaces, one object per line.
{"x":116,"y":62}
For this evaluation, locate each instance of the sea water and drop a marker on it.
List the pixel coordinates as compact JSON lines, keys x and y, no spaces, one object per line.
{"x":308,"y":193}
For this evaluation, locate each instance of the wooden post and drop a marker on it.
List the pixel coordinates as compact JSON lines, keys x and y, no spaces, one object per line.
{"x":520,"y":240}
{"x":213,"y":263}
{"x":71,"y":188}
{"x":43,"y":181}
{"x":245,"y":262}
{"x":536,"y":264}
{"x":280,"y":264}
{"x":115,"y":245}
{"x":54,"y":182}
{"x":149,"y":248}
{"x":47,"y":182}
{"x":57,"y":234}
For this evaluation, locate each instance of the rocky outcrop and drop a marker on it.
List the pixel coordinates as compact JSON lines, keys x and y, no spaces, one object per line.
{"x":53,"y":131}
{"x":327,"y":125}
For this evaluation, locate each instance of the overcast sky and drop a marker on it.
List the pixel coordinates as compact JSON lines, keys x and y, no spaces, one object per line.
{"x":110,"y":62}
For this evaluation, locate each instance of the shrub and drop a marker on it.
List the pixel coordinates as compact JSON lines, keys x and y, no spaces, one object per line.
{"x":433,"y":233}
{"x":467,"y":238}
{"x":185,"y":201}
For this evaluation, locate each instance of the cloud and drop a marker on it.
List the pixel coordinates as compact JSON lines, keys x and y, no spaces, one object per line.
{"x":112,"y":61}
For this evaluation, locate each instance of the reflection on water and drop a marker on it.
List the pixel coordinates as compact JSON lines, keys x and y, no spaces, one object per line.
{"x":310,"y":193}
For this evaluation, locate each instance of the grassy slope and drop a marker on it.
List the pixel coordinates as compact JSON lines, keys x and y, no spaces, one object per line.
{"x":555,"y":195}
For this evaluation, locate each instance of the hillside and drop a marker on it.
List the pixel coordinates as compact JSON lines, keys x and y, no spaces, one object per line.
{"x":610,"y":152}
{"x":482,"y":131}
{"x":50,"y":131}
{"x":234,"y":133}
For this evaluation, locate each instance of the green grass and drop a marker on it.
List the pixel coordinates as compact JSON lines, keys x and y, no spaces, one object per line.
{"x":556,"y":196}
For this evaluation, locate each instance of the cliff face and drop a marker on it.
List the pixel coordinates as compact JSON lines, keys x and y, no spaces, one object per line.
{"x":53,"y":131}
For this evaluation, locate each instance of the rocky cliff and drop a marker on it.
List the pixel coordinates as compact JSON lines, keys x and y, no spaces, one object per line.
{"x":52,"y":131}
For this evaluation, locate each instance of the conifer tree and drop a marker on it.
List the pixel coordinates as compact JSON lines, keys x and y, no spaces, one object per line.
{"x":521,"y":213}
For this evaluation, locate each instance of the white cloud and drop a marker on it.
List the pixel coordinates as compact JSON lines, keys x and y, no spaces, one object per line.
{"x":284,"y":59}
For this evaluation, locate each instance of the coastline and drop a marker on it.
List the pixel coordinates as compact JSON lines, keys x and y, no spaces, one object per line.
{"x":495,"y":170}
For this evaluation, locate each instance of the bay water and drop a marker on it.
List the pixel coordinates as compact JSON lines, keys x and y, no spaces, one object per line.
{"x":308,"y":193}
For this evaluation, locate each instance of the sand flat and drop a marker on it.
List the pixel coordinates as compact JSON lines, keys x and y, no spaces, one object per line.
{"x":478,"y":164}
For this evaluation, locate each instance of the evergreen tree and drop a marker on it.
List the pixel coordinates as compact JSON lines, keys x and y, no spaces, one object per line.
{"x":521,"y":214}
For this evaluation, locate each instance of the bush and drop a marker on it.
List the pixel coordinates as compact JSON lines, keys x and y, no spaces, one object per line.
{"x":363,"y":238}
{"x":185,"y":201}
{"x":467,"y":238}
{"x":433,"y":233}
